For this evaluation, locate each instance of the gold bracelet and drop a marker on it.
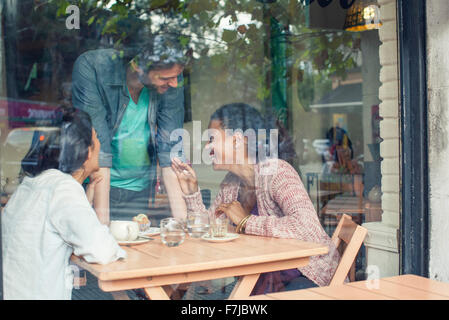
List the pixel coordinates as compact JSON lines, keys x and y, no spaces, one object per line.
{"x":239,"y":225}
{"x":243,"y":226}
{"x":237,"y":229}
{"x":242,"y":223}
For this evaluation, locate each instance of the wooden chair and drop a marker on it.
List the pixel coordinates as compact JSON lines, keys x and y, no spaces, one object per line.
{"x":348,"y":238}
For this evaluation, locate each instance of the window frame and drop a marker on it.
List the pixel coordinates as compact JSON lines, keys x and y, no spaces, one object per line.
{"x":414,"y":222}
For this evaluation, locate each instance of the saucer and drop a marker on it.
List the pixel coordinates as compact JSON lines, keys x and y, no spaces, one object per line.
{"x":152,"y":231}
{"x":228,"y":237}
{"x":133,"y":242}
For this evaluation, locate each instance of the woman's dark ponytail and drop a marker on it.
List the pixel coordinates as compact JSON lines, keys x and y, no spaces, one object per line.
{"x":64,"y":147}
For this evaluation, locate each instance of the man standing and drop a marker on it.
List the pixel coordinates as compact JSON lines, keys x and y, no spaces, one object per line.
{"x":135,"y":103}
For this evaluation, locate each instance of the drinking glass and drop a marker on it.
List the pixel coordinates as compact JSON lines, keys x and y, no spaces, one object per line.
{"x":197,"y":224}
{"x":219,"y":226}
{"x":172,"y":232}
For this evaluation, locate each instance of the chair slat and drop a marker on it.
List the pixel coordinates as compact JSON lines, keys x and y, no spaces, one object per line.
{"x":347,"y":230}
{"x":352,"y":235}
{"x":349,"y":256}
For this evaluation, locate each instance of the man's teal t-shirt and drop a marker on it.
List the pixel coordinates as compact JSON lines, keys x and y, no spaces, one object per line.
{"x":130,"y":161}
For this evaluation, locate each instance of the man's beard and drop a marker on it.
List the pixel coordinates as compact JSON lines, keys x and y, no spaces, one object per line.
{"x":147,"y":83}
{"x":143,"y":78}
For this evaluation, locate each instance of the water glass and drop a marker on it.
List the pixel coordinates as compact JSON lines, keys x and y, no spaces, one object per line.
{"x":197,"y":224}
{"x":219,"y":226}
{"x":172,"y":232}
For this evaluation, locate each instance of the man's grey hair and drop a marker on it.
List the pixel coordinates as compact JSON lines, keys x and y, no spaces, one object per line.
{"x":162,"y":51}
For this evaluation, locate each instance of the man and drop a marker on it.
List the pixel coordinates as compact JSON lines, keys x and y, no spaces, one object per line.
{"x":134,"y":104}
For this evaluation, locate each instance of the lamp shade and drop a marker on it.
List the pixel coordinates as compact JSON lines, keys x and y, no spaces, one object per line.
{"x":363,"y":15}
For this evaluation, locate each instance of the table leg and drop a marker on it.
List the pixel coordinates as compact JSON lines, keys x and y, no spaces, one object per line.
{"x":120,"y":295}
{"x":176,"y":291}
{"x":244,"y":286}
{"x":168,"y":290}
{"x":156,"y":293}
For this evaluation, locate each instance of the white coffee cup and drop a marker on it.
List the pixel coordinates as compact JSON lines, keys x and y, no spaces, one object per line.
{"x":124,"y":230}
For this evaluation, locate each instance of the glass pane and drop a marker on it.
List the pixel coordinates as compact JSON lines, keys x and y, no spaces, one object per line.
{"x":295,"y":62}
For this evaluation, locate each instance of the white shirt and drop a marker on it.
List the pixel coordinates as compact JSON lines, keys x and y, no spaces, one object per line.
{"x":46,"y":220}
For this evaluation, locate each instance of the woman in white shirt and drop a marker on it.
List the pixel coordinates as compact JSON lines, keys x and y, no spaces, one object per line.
{"x":49,"y":216}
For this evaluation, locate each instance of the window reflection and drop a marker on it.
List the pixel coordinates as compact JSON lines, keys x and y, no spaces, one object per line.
{"x":289,"y":58}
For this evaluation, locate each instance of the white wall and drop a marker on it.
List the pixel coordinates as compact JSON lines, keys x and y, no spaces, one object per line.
{"x":382,"y":243}
{"x":438,"y":100}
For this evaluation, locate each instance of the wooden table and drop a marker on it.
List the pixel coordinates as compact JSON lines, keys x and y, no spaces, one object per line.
{"x":345,"y":205}
{"x":404,"y":287}
{"x":153,"y":266}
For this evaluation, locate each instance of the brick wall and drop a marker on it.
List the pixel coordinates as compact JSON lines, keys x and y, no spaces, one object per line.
{"x":389,"y":110}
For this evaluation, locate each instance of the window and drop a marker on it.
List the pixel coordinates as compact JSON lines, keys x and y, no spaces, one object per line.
{"x":311,"y":65}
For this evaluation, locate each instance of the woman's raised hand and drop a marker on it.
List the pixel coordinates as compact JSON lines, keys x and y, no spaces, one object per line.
{"x":90,"y":190}
{"x":186,"y":176}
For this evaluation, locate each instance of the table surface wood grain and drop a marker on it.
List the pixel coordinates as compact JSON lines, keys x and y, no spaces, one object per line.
{"x":403,"y":287}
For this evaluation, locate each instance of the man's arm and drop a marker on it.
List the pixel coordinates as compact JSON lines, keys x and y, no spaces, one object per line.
{"x":170,"y":117}
{"x":86,"y":97}
{"x":101,"y":195}
{"x":177,"y":203}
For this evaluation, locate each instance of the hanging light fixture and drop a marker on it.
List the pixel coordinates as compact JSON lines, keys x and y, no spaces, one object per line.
{"x":363,"y":15}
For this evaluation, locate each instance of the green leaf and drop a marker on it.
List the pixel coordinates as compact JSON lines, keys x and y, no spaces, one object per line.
{"x":91,"y":20}
{"x":62,"y":8}
{"x":184,"y":40}
{"x":229,"y":35}
{"x":204,"y":17}
{"x":120,"y":8}
{"x":157,"y":3}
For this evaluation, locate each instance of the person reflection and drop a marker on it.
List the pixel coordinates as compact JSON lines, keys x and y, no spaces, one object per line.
{"x":339,"y":158}
{"x":264,"y":197}
{"x":49,"y":216}
{"x":135,"y":101}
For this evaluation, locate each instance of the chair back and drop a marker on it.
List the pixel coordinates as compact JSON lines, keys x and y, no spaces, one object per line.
{"x":348,"y":238}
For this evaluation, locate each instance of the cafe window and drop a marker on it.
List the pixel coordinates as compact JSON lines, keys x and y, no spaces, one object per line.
{"x":311,"y":65}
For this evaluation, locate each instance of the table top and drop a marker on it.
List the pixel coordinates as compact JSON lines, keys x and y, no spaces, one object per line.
{"x":404,"y":287}
{"x":345,"y":204}
{"x":155,"y":259}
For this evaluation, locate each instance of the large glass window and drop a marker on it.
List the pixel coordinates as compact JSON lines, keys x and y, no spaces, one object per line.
{"x":313,"y":65}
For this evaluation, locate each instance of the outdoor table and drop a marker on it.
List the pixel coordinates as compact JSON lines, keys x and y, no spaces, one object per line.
{"x":154,"y":266}
{"x":404,"y":287}
{"x":345,"y":205}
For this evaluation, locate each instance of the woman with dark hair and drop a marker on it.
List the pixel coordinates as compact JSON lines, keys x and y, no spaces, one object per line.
{"x":49,"y":217}
{"x":261,"y":195}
